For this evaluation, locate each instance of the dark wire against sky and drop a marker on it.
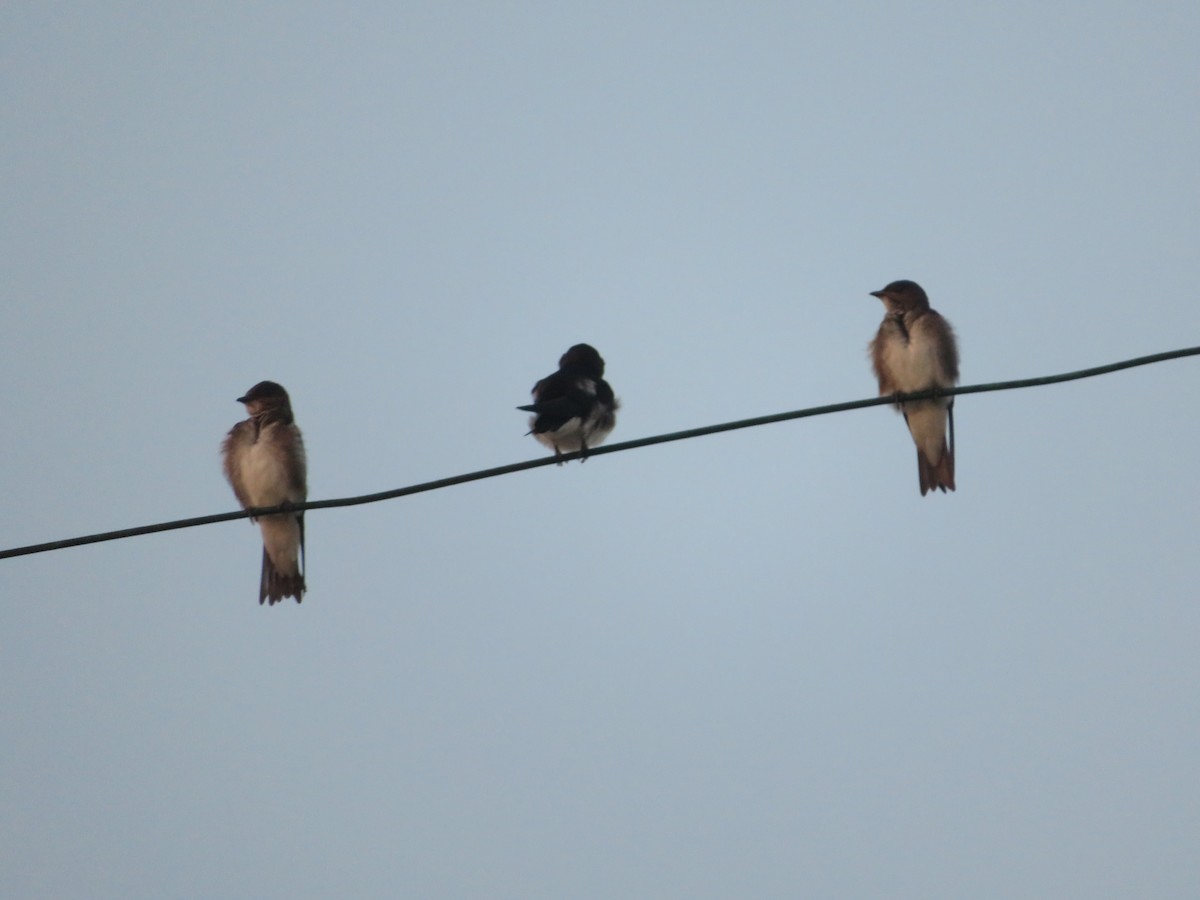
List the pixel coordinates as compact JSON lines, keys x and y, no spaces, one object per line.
{"x":610,"y":448}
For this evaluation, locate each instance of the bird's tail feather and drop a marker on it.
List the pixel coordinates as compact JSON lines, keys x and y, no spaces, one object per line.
{"x":276,"y":586}
{"x":283,"y":557}
{"x":936,"y":477}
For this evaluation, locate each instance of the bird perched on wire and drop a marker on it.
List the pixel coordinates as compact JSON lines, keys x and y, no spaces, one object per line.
{"x":265,"y":464}
{"x":573,"y":408}
{"x":915,"y":350}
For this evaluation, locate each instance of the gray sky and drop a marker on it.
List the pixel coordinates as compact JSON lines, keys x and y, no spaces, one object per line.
{"x":752,"y":665}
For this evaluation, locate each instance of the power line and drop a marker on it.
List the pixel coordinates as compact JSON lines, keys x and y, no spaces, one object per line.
{"x":598,"y":451}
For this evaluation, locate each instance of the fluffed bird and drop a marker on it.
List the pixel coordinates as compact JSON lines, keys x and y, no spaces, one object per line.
{"x":915,"y":350}
{"x":265,"y":464}
{"x":573,"y":408}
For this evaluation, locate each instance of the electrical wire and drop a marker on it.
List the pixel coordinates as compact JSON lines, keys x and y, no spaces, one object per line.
{"x":599,"y":451}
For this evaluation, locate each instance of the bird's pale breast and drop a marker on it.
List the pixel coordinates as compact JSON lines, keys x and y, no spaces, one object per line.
{"x":265,"y":473}
{"x":914,"y":364}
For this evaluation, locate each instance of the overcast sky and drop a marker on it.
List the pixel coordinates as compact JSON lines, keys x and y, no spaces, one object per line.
{"x":757,"y":664}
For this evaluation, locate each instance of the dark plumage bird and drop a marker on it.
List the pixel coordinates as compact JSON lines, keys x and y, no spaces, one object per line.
{"x":573,"y":408}
{"x":265,"y":464}
{"x":914,"y":350}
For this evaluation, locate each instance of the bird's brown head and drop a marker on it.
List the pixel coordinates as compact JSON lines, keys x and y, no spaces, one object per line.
{"x":583,"y":358}
{"x":267,"y":396}
{"x":902,"y":296}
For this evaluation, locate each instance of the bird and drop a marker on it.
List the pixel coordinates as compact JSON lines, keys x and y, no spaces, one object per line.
{"x":265,"y":464}
{"x":573,"y":408}
{"x":915,"y":350}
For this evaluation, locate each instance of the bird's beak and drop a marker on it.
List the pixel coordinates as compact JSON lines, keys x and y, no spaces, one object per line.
{"x":879,"y":294}
{"x":241,"y":399}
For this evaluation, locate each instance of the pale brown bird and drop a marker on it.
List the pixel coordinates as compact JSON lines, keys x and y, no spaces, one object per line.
{"x":915,"y":350}
{"x":265,"y":464}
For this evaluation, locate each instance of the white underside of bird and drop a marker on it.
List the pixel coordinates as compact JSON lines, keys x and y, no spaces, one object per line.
{"x":914,"y":365}
{"x":266,"y":482}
